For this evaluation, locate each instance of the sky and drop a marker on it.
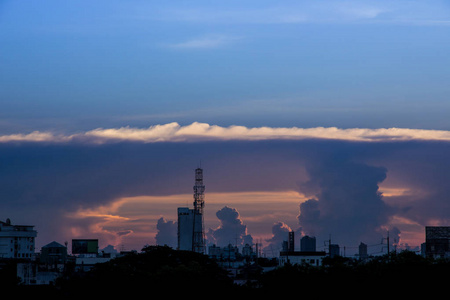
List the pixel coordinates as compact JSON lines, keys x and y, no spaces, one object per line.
{"x":326,"y":118}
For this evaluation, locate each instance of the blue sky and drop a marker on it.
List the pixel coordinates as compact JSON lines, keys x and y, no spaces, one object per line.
{"x":79,"y":65}
{"x":108,"y":106}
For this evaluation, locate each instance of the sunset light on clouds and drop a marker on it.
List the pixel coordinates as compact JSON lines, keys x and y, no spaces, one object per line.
{"x":173,"y":132}
{"x":327,"y":118}
{"x":130,"y":220}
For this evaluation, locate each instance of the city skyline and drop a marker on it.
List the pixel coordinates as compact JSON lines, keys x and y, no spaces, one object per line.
{"x":321,"y":117}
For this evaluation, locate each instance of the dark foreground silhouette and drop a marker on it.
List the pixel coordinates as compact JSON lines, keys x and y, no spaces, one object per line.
{"x":161,"y":271}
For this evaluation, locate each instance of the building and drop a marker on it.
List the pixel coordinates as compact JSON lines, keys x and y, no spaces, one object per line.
{"x":31,"y":273}
{"x":86,"y":247}
{"x":291,"y":241}
{"x":17,"y":241}
{"x":308,"y":244}
{"x":437,"y":241}
{"x":85,"y":263}
{"x":53,"y":254}
{"x":306,"y":255}
{"x":333,"y":250}
{"x":362,"y":251}
{"x":301,"y":257}
{"x":247,"y":251}
{"x":86,"y":254}
{"x":191,"y":233}
{"x":185,"y":228}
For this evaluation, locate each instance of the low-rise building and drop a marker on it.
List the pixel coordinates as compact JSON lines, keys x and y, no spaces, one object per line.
{"x":17,"y":241}
{"x":313,"y":258}
{"x":53,"y":254}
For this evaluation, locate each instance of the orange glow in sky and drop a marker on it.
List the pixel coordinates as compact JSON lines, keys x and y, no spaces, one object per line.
{"x":130,"y":222}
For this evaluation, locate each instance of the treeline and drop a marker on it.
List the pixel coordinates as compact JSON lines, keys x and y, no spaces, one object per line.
{"x":162,"y":271}
{"x":404,"y":274}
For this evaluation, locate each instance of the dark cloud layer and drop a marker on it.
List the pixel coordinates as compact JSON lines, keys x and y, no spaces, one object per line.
{"x":39,"y":183}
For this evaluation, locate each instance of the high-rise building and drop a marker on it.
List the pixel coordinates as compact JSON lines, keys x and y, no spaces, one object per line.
{"x":191,"y":233}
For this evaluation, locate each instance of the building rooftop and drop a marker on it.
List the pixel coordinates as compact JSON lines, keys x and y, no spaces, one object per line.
{"x":302,"y":253}
{"x":54,"y":245}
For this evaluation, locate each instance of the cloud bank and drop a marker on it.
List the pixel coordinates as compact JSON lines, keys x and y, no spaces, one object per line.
{"x":174,"y":132}
{"x":46,"y":177}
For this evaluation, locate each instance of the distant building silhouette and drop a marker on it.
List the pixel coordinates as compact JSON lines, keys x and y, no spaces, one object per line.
{"x":362,"y":251}
{"x":334,"y":250}
{"x":437,"y":241}
{"x":308,"y":244}
{"x":306,"y":255}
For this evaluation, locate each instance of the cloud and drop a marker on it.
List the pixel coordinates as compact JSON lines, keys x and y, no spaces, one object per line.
{"x":243,"y":15}
{"x":167,"y":233}
{"x":347,"y":203}
{"x":411,"y":12}
{"x":34,"y":136}
{"x":280,"y":233}
{"x":231,"y":230}
{"x":174,"y":132}
{"x":207,"y":42}
{"x":115,"y":188}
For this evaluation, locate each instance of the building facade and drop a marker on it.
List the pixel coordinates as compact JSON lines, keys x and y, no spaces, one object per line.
{"x":437,"y":241}
{"x":301,"y":257}
{"x":308,"y":244}
{"x":17,"y":241}
{"x":185,"y":228}
{"x":53,"y":254}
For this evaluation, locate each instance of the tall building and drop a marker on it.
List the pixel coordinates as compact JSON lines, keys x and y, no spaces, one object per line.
{"x":191,"y":232}
{"x":362,"y":251}
{"x":185,"y":228}
{"x":308,"y":244}
{"x":291,"y":242}
{"x":16,"y":241}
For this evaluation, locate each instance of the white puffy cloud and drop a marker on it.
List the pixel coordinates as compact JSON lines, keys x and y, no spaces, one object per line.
{"x":174,"y":132}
